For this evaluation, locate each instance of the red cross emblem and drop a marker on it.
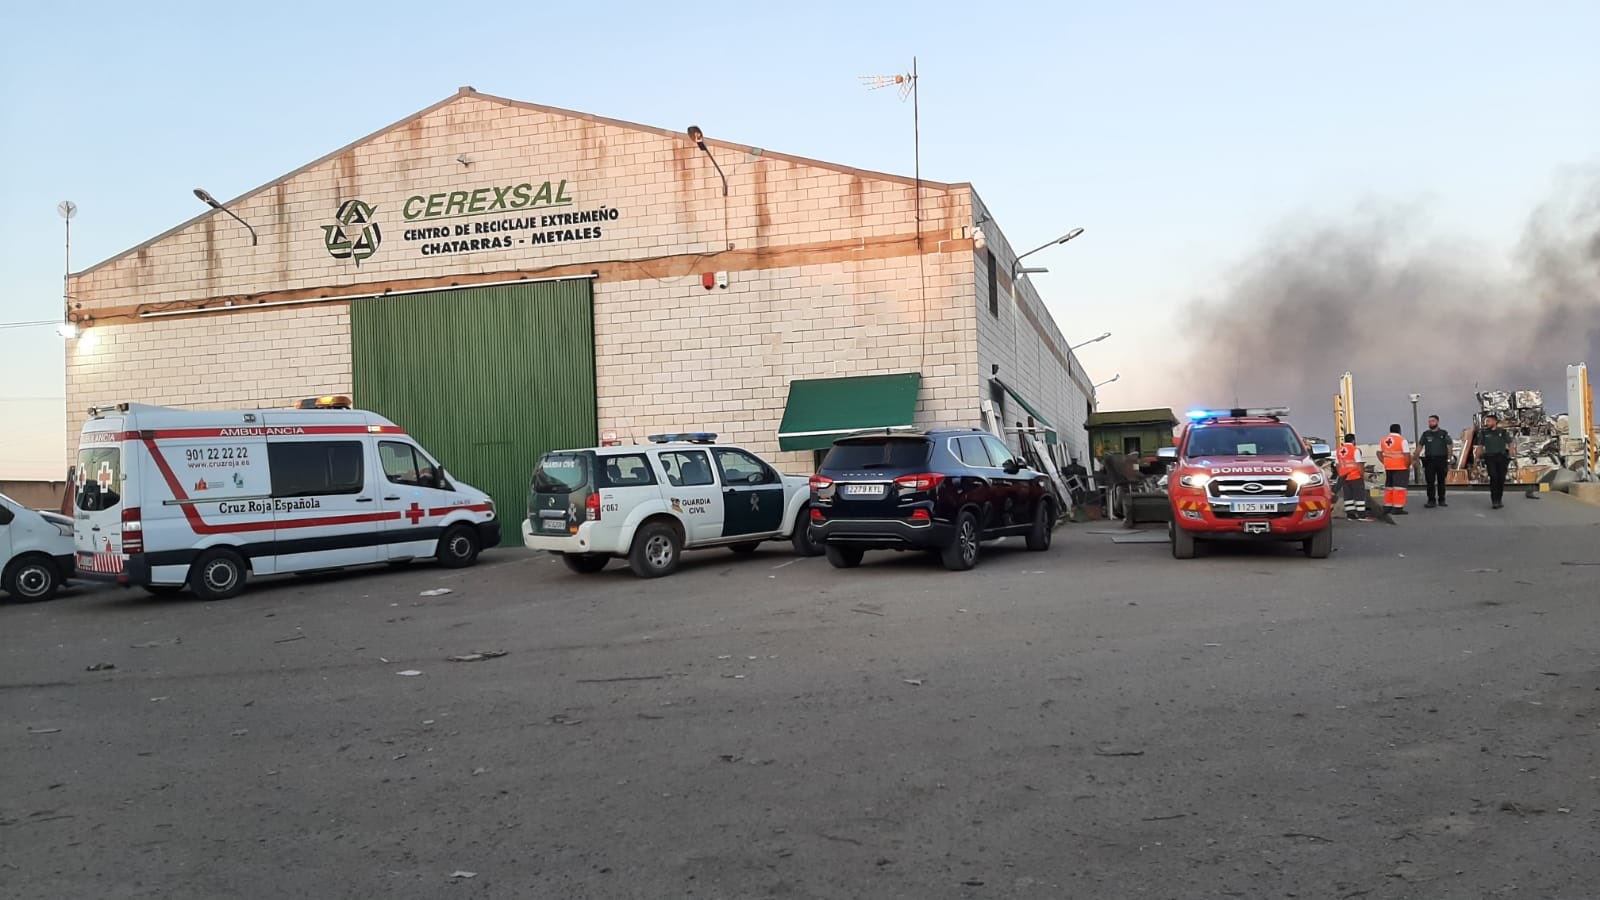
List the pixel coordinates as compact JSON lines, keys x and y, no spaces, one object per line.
{"x":105,"y":478}
{"x":415,"y":514}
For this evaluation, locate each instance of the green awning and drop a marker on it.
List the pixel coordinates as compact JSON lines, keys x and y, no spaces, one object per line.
{"x":820,"y":410}
{"x":1038,"y":419}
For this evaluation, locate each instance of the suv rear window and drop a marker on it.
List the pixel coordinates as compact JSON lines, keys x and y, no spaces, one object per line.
{"x":560,"y":473}
{"x":882,"y":453}
{"x":1245,"y":440}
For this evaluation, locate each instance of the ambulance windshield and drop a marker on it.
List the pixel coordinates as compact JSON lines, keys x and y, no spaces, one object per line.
{"x":99,"y":478}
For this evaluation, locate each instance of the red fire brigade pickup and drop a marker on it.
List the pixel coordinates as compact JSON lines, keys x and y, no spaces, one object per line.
{"x":1246,"y":475}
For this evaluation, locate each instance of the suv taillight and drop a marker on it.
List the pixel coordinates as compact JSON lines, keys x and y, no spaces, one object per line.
{"x":592,"y":506}
{"x":132,"y":530}
{"x":818,"y":482}
{"x":926,"y":481}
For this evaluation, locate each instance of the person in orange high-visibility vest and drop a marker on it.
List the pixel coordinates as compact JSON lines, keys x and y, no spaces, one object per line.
{"x":1395,"y":451}
{"x":1353,"y":478}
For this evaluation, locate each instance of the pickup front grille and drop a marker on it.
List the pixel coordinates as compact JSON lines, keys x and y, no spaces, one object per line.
{"x":1249,"y":487}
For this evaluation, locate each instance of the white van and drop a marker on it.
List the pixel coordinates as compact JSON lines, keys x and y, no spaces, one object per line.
{"x":170,"y":498}
{"x":35,"y":551}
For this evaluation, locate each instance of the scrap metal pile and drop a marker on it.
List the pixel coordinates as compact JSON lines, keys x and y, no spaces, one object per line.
{"x":1538,"y":435}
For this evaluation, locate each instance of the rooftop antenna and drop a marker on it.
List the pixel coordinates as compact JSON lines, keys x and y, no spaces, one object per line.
{"x":66,"y":209}
{"x":906,"y":85}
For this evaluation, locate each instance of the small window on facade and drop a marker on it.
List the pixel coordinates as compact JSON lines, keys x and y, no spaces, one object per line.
{"x":994,"y":283}
{"x":1130,"y":444}
{"x":313,"y":468}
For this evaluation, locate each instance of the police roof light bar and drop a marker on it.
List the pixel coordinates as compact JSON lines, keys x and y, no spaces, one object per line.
{"x":691,"y":437}
{"x":1196,"y":415}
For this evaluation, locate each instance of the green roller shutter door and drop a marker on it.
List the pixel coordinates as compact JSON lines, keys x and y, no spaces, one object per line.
{"x":486,"y":379}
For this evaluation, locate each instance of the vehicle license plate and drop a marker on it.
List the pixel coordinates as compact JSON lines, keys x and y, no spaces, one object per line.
{"x":1255,"y":507}
{"x":554,"y":525}
{"x":863,"y":490}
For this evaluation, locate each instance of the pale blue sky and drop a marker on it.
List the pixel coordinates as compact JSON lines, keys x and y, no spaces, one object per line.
{"x":1176,"y":134}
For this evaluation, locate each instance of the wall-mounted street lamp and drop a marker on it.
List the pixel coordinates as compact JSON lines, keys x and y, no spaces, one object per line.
{"x":1109,"y":380}
{"x":1016,"y":265}
{"x":211,"y":201}
{"x":1090,"y":341}
{"x":699,"y":138}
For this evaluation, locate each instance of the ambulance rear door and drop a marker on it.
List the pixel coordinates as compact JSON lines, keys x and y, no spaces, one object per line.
{"x":99,"y":496}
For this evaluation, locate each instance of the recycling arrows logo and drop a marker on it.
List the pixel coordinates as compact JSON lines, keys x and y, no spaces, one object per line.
{"x":354,"y":234}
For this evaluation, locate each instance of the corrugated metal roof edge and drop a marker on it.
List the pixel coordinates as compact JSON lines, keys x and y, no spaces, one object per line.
{"x":468,"y":91}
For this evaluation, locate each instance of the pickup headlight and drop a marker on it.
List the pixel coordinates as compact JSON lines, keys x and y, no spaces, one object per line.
{"x":1306,"y":479}
{"x":1195,"y":481}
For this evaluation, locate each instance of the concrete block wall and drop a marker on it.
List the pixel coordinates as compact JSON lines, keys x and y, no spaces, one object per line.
{"x":676,"y":357}
{"x":1029,"y":356}
{"x":265,"y":359}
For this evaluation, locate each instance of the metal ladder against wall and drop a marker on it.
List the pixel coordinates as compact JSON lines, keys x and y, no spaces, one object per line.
{"x":1037,"y":453}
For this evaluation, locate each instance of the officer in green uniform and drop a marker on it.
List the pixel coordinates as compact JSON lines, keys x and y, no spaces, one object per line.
{"x":1495,"y":446}
{"x":1433,"y":446}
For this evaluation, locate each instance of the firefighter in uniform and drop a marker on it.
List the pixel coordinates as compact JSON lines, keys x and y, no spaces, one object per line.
{"x":1352,"y":478}
{"x":1395,"y":452}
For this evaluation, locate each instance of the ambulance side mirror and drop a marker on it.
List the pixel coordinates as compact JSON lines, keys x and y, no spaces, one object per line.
{"x":1320,"y":451}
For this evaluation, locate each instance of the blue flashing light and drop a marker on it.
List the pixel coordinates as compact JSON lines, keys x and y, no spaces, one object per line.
{"x":692,"y":437}
{"x":1198,"y":414}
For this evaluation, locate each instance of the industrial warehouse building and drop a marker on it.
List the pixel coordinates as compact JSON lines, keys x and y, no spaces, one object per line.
{"x":503,"y":278}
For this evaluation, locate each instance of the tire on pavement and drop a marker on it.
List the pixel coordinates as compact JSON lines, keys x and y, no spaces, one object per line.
{"x":586,"y":563}
{"x":31,"y":578}
{"x":1044,"y":521}
{"x":961,"y":553}
{"x":1319,"y":545}
{"x":1183,"y":543}
{"x":843,"y":557}
{"x":458,"y":547}
{"x":656,"y":550}
{"x":219,"y":573}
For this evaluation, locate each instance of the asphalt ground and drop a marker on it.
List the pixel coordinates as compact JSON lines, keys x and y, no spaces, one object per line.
{"x":1417,"y":716}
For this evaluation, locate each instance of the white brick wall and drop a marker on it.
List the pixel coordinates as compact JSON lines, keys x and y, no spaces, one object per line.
{"x":1025,"y":357}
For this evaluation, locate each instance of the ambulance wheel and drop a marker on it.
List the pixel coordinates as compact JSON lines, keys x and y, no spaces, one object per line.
{"x":1182,"y":543}
{"x":217,"y":575}
{"x":1319,"y":545}
{"x":458,"y":547}
{"x":656,"y":550}
{"x":31,"y":579}
{"x":745,"y":549}
{"x":585,"y":563}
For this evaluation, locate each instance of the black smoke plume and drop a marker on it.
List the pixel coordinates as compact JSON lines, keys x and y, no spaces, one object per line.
{"x":1406,"y":315}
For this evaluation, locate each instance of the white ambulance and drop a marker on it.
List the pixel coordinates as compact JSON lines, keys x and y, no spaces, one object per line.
{"x":171,"y":498}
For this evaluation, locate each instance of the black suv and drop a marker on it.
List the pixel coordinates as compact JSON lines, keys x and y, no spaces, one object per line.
{"x":945,"y":489}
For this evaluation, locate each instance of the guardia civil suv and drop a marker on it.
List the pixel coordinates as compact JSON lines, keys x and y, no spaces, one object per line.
{"x":647,"y":503}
